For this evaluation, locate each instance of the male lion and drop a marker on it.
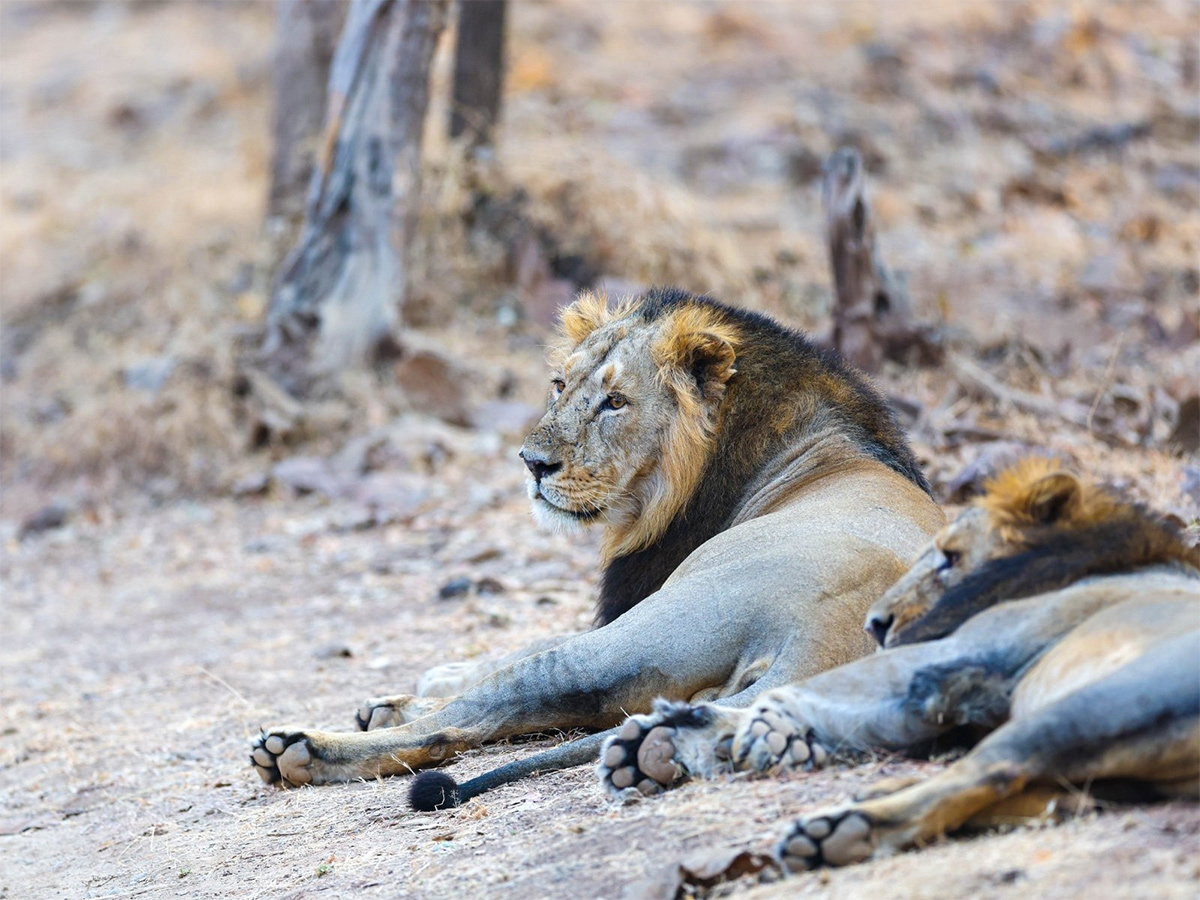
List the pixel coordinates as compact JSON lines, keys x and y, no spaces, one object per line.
{"x":1091,"y":679}
{"x":756,"y":497}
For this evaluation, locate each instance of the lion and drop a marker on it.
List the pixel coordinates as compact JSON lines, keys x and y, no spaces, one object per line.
{"x":756,"y":496}
{"x":1055,"y":617}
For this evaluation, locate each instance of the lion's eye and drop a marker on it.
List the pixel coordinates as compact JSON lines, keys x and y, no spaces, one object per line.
{"x":558,"y":386}
{"x":950,"y":560}
{"x":614,"y":401}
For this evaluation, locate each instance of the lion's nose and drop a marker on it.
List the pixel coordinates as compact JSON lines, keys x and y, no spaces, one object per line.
{"x":877,"y":627}
{"x":539,"y":468}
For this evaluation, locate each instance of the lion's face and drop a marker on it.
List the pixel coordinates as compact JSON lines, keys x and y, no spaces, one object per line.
{"x":629,"y":421}
{"x":957,"y":550}
{"x":1024,"y":505}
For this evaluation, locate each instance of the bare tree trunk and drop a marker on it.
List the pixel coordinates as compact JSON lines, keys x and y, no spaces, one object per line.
{"x":872,"y":313}
{"x":306,"y":33}
{"x":478,"y":70}
{"x":336,"y":299}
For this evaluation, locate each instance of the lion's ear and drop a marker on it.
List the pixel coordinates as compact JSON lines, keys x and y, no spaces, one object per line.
{"x":583,"y":317}
{"x":710,"y":358}
{"x":698,"y":347}
{"x":1052,"y":497}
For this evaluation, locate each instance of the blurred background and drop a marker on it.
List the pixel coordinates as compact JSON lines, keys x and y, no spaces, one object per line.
{"x":1032,"y":171}
{"x":207,"y":525}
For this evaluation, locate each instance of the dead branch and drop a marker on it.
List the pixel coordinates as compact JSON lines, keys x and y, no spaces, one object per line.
{"x":872,"y":313}
{"x":336,"y":299}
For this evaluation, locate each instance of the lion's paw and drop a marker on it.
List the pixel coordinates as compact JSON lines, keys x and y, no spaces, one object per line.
{"x":640,"y":757}
{"x":772,"y":738}
{"x":282,"y":757}
{"x":653,"y":752}
{"x":832,"y":839}
{"x":389,"y":712}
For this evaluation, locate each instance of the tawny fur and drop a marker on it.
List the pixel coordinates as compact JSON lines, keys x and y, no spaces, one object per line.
{"x":1054,"y":617}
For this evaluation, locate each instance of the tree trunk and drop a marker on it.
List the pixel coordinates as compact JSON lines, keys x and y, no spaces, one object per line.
{"x":306,"y":33}
{"x":336,"y":299}
{"x":872,"y":313}
{"x":478,"y":70}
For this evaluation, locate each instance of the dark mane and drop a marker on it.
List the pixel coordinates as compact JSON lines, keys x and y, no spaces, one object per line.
{"x":1130,"y":537}
{"x":783,"y":383}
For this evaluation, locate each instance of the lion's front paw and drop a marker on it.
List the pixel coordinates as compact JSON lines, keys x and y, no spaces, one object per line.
{"x":773,"y":738}
{"x":281,"y":756}
{"x":653,"y":752}
{"x":389,"y":712}
{"x":836,"y":838}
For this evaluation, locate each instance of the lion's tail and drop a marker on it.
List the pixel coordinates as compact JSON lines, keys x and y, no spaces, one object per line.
{"x":437,"y":790}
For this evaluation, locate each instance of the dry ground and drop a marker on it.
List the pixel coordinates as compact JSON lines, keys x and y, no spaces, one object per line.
{"x":143,"y":654}
{"x":146,"y":641}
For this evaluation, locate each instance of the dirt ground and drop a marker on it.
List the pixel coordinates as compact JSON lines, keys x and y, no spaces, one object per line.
{"x":1034,"y":170}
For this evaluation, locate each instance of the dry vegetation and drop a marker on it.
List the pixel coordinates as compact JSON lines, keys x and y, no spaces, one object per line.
{"x":1033,"y":169}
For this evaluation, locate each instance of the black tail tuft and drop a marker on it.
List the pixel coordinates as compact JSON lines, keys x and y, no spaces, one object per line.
{"x":432,"y":791}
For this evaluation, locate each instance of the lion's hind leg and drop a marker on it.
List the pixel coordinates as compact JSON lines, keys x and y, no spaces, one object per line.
{"x":1142,"y":722}
{"x":677,"y":740}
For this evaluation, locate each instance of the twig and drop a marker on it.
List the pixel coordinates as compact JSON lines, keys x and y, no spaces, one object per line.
{"x":972,"y":372}
{"x":225,"y":684}
{"x":1106,"y":380}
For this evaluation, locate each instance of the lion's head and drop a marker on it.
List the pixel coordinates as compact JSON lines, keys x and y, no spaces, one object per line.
{"x":631,"y":417}
{"x":1036,"y":528}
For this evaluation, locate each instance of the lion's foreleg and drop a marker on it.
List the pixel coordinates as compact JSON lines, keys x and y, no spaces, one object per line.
{"x":592,"y":681}
{"x":451,"y":679}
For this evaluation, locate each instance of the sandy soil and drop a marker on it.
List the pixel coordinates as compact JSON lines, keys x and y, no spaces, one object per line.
{"x":147,"y":640}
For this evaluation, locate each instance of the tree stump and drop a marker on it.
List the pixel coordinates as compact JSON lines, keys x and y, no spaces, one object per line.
{"x":872,"y":313}
{"x":336,"y":298}
{"x":306,"y":34}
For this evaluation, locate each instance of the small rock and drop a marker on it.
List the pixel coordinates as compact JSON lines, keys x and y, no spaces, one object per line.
{"x":487,"y":586}
{"x":150,"y":374}
{"x":306,"y":475}
{"x":482,"y":554}
{"x":454,"y":589}
{"x":434,"y":384}
{"x":252,"y":485}
{"x":48,"y":517}
{"x":392,"y":496}
{"x":333,"y":651}
{"x":356,"y":518}
{"x":266,"y":544}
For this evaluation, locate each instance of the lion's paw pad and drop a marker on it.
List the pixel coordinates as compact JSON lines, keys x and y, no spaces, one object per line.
{"x":282,"y":757}
{"x":640,"y":756}
{"x":773,"y":739}
{"x":837,"y":839}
